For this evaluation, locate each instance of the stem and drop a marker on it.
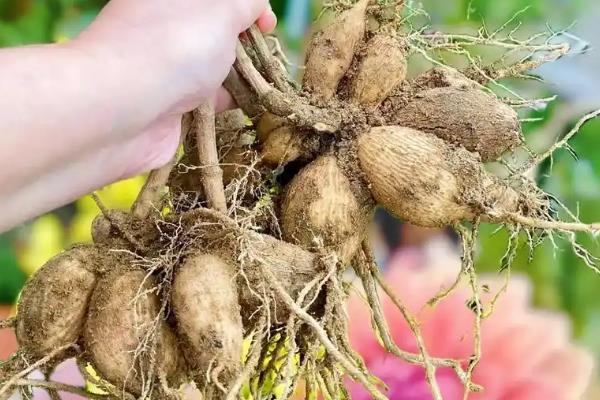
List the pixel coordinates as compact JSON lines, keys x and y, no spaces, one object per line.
{"x":151,"y":193}
{"x":272,"y":67}
{"x":245,"y":98}
{"x":212,"y":174}
{"x":286,"y":105}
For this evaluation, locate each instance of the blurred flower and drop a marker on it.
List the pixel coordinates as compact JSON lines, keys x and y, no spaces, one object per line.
{"x":527,"y":353}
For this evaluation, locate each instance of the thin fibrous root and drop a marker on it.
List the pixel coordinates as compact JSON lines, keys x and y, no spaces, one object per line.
{"x":212,"y":174}
{"x":251,"y":363}
{"x":523,"y":220}
{"x":60,"y":387}
{"x":8,"y":323}
{"x":493,"y":73}
{"x":469,"y":239}
{"x":430,"y":368}
{"x":285,"y":105}
{"x":10,"y":383}
{"x":332,"y":350}
{"x":562,"y":143}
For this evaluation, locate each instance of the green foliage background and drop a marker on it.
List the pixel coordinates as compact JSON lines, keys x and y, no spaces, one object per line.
{"x":561,"y":280}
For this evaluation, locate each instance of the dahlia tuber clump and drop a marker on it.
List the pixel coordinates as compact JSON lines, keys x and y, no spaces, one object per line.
{"x":246,"y":237}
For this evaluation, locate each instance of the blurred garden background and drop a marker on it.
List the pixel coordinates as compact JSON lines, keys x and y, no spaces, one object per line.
{"x":560,"y":280}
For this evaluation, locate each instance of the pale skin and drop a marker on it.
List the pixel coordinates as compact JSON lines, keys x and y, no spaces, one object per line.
{"x":108,"y":105}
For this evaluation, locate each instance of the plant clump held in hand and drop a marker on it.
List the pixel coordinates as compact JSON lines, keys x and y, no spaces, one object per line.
{"x":228,"y":273}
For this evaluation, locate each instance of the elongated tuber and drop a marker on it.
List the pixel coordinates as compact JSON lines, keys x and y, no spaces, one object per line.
{"x":126,"y":336}
{"x":53,"y":304}
{"x":381,"y":70}
{"x":433,"y":184}
{"x":320,"y":210}
{"x":205,"y":302}
{"x":332,"y":50}
{"x":471,"y":118}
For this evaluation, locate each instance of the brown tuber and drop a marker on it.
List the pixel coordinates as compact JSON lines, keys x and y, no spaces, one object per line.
{"x":381,"y":70}
{"x":468,"y":117}
{"x":320,"y":210}
{"x":427,"y":182}
{"x":126,"y":337}
{"x":331,"y":52}
{"x":282,"y":146}
{"x":53,"y":304}
{"x":205,"y":302}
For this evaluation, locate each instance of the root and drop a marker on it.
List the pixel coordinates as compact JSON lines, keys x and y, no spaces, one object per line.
{"x":562,"y":143}
{"x":9,"y":384}
{"x":290,"y":107}
{"x":55,"y":387}
{"x":242,"y":94}
{"x":212,"y":174}
{"x":519,"y":219}
{"x":251,"y":363}
{"x":292,"y":300}
{"x":332,"y":350}
{"x":469,"y":238}
{"x":9,"y":323}
{"x":414,"y":327}
{"x":272,"y":68}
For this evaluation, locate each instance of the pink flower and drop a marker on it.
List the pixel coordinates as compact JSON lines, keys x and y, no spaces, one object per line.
{"x":527,"y":353}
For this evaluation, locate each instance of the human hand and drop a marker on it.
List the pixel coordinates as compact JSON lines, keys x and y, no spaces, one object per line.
{"x":108,"y":105}
{"x":175,"y":54}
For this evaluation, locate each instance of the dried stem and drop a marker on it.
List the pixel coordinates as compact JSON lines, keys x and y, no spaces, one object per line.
{"x":245,"y":98}
{"x":272,"y":68}
{"x":286,"y":105}
{"x":151,"y":194}
{"x":118,"y":224}
{"x":212,"y":174}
